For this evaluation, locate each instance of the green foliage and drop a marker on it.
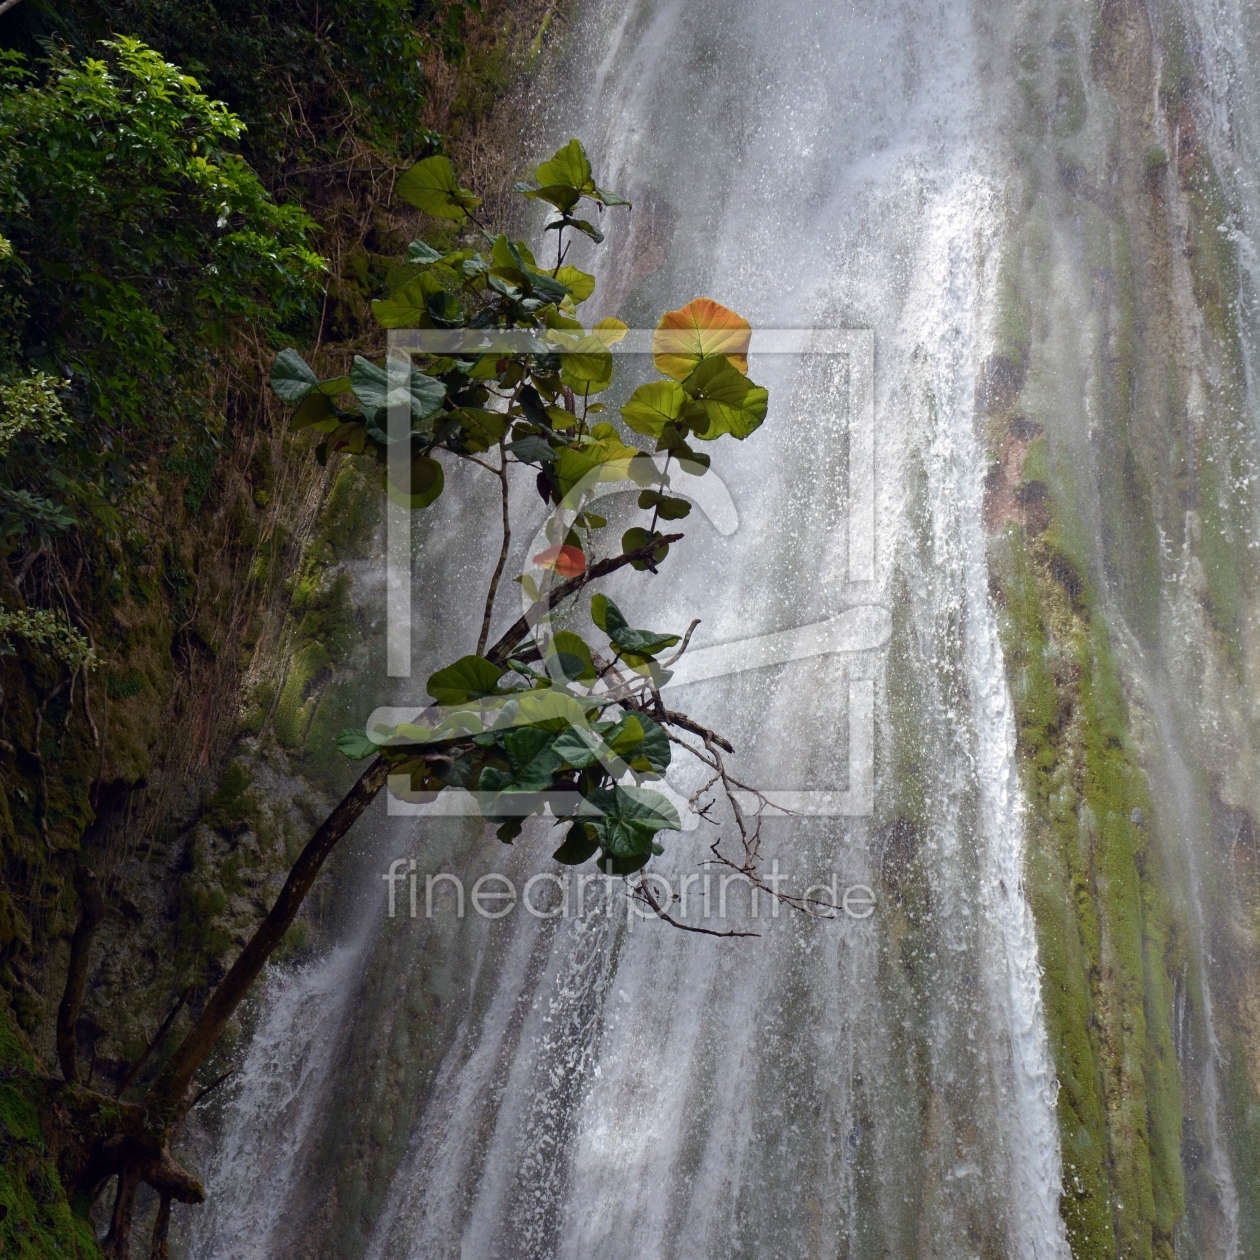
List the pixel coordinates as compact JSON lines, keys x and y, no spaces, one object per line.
{"x":46,"y":630}
{"x":520,"y":379}
{"x":430,"y":186}
{"x":141,"y":244}
{"x":32,"y":404}
{"x":302,"y":76}
{"x":633,"y":645}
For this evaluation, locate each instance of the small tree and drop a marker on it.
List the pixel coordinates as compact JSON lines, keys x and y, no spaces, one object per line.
{"x":541,"y":717}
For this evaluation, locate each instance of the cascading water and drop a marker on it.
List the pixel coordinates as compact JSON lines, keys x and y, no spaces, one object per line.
{"x":603,"y":1085}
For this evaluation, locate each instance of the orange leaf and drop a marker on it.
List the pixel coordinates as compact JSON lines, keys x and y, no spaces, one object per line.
{"x":568,"y":562}
{"x":701,"y":329}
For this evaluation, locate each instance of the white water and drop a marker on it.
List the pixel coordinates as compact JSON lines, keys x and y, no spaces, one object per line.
{"x":613,"y":1088}
{"x":276,"y":1105}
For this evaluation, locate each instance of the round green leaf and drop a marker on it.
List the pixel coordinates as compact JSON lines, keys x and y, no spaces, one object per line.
{"x":426,"y":482}
{"x":431,"y":186}
{"x":651,"y":407}
{"x":579,"y":846}
{"x":573,"y":656}
{"x":291,"y":379}
{"x":471,"y":677}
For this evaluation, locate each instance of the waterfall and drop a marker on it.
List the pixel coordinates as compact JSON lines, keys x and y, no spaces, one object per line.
{"x":277,"y":1103}
{"x":601,"y":1085}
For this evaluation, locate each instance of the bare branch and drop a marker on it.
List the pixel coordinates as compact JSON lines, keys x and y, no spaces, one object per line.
{"x":642,"y":891}
{"x":214,"y":1084}
{"x":682,"y":646}
{"x":6,"y":5}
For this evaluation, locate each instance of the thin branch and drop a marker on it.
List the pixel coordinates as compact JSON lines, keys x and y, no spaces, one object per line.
{"x":503,"y":551}
{"x":642,"y":890}
{"x":687,"y":724}
{"x":214,"y":1084}
{"x":6,"y":5}
{"x":138,"y":1066}
{"x":683,"y":646}
{"x":521,"y":627}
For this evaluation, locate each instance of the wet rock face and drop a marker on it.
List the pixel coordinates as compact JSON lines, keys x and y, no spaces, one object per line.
{"x":1134,"y":584}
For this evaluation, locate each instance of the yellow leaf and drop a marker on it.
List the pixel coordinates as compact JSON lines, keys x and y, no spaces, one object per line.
{"x":700,"y":330}
{"x":609,"y":331}
{"x":580,"y":283}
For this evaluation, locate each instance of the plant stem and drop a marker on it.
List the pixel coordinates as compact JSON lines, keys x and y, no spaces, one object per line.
{"x":503,"y":551}
{"x":521,"y":627}
{"x":668,"y":456}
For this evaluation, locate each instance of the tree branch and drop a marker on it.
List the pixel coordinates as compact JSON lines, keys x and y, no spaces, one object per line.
{"x":158,"y":1249}
{"x":158,"y":1038}
{"x":167,"y":1096}
{"x":521,"y":627}
{"x":643,"y":891}
{"x":682,"y":720}
{"x":6,"y":5}
{"x":683,"y":646}
{"x":203,"y":1094}
{"x":168,"y":1092}
{"x":91,"y":912}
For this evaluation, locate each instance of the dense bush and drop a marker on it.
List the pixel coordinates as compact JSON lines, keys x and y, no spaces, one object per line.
{"x":310,"y":79}
{"x":137,"y":244}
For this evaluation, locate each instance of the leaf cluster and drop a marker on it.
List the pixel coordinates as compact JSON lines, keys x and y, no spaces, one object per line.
{"x":563,"y":737}
{"x":524,"y":740}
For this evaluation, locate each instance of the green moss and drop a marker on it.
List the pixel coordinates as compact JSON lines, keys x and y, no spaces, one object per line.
{"x":1217,"y":552}
{"x":296,"y":704}
{"x":1102,"y":919}
{"x":232,"y":805}
{"x":330,"y":617}
{"x":123,"y":686}
{"x":1177,"y":69}
{"x":256,"y":714}
{"x":1013,"y":325}
{"x":1036,"y":465}
{"x":350,"y":512}
{"x":36,"y":1220}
